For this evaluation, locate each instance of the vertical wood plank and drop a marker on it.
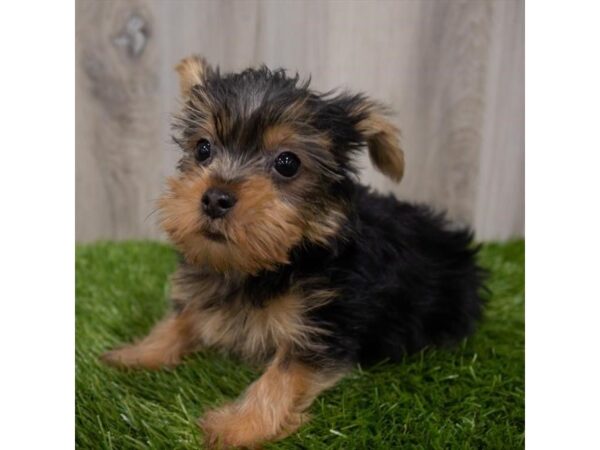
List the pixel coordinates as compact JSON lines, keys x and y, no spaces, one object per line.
{"x":500,"y":203}
{"x":118,"y":157}
{"x":450,"y":82}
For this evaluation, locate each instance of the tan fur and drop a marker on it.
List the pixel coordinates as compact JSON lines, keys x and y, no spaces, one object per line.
{"x":235,"y":325}
{"x":168,"y":341}
{"x":278,"y":135}
{"x":383,"y":143}
{"x":319,"y":231}
{"x":271,"y":408}
{"x":254,"y":333}
{"x":286,"y":135}
{"x":191,"y":71}
{"x":260,"y":230}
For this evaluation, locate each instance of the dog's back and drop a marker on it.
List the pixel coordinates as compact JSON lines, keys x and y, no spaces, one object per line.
{"x":406,"y":281}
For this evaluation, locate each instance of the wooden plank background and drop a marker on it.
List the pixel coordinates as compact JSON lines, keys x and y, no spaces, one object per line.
{"x":452,"y":70}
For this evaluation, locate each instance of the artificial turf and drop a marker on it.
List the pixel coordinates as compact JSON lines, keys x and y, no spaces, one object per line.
{"x":468,"y":397}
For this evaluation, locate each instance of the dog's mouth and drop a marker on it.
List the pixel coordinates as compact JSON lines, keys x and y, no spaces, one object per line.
{"x":212,"y":235}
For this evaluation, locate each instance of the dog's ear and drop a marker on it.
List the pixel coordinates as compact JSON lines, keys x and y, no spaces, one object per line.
{"x":382,"y":138}
{"x":191,"y":72}
{"x":354,"y":120}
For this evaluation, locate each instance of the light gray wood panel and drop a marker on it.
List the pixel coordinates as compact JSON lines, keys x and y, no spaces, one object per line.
{"x":452,"y":70}
{"x":117,"y":95}
{"x":500,"y":204}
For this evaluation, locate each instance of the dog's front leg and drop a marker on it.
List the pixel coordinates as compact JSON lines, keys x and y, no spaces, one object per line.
{"x":271,"y":408}
{"x":165,"y":345}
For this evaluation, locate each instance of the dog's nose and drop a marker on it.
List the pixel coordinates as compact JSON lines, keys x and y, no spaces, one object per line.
{"x":216,"y":202}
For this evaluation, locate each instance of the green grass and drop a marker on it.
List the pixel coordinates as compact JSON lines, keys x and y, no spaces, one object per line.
{"x":469,"y":397}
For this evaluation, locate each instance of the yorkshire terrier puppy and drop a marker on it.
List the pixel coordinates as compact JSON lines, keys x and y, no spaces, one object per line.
{"x":287,"y":260}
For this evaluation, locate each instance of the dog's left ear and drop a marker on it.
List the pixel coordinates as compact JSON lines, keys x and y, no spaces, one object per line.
{"x":191,"y":72}
{"x":382,"y":138}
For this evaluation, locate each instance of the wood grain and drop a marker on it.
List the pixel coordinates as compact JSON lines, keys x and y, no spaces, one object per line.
{"x":452,"y":70}
{"x":118,"y":156}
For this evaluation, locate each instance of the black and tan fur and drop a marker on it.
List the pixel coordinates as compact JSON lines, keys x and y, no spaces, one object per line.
{"x":307,"y":274}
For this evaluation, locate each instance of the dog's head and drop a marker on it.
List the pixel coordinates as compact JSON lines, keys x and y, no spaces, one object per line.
{"x":267,"y":164}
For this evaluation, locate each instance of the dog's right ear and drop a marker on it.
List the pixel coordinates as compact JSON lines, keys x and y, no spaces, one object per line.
{"x":191,"y":72}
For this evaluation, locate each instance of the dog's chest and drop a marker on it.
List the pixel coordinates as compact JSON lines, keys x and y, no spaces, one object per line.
{"x":251,"y":318}
{"x":253,"y":332}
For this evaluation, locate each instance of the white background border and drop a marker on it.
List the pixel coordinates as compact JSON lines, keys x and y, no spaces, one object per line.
{"x":37,"y":86}
{"x":562,"y":224}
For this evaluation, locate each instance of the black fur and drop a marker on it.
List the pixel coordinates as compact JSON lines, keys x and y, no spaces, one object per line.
{"x":406,"y":282}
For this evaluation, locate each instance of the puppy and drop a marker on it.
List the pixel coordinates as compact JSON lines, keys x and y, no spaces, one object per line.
{"x":287,"y":260}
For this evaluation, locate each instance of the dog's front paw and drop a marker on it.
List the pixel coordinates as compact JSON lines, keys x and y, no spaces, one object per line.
{"x":230,"y":427}
{"x":227,"y":428}
{"x":138,"y":356}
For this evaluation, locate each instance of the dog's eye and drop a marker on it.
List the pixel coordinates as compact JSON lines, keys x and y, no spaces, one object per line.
{"x":202,"y":152}
{"x":287,"y":164}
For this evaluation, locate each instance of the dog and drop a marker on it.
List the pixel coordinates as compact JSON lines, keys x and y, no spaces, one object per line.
{"x":289,"y":262}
